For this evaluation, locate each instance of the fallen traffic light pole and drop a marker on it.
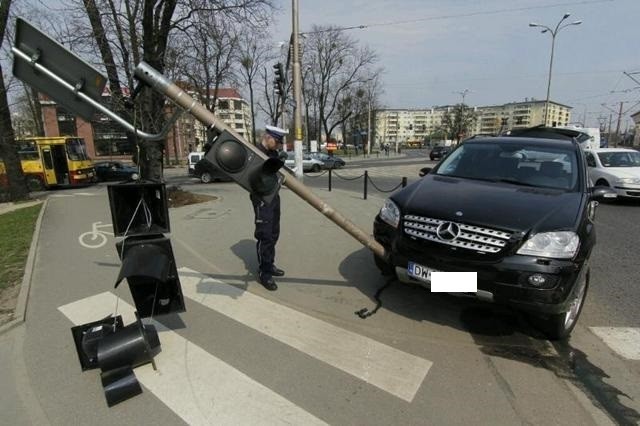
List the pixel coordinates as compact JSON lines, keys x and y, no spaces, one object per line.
{"x":160,"y":83}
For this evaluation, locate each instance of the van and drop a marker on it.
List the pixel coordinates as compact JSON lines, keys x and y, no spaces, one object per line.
{"x":192,"y":159}
{"x":594,"y":136}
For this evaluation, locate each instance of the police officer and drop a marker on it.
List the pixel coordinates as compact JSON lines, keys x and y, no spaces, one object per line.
{"x":267,"y":217}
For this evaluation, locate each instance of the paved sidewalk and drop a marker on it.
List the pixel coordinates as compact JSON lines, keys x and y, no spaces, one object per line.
{"x":215,"y":238}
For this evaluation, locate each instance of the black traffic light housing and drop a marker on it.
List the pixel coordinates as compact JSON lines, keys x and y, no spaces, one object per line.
{"x":150,"y":269}
{"x":246,"y":167}
{"x":278,"y":82}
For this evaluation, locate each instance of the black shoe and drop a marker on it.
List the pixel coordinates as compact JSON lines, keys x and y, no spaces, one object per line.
{"x":267,"y":282}
{"x":277,"y":272}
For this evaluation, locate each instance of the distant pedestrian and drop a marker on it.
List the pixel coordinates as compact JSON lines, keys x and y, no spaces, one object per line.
{"x":267,"y":217}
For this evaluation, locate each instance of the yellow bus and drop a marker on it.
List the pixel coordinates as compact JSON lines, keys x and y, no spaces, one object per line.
{"x":55,"y":161}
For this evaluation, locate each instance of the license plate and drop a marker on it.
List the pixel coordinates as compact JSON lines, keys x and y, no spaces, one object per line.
{"x":419,"y":272}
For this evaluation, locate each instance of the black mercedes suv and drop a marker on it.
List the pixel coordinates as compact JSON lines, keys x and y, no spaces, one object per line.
{"x":516,"y":210}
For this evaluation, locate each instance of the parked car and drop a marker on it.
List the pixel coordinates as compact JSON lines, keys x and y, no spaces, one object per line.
{"x":114,"y":170}
{"x":618,"y":168}
{"x":192,"y":160}
{"x":438,"y":152}
{"x":309,"y":164}
{"x":329,"y":161}
{"x":207,"y":172}
{"x":517,"y":211}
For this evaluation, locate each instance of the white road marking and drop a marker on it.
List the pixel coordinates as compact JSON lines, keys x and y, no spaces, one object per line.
{"x":197,"y":386}
{"x":625,"y":341}
{"x":387,"y":368}
{"x":97,"y":237}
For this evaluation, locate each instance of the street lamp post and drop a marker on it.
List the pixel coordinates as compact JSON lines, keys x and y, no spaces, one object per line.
{"x":554,"y":32}
{"x":297,"y":90}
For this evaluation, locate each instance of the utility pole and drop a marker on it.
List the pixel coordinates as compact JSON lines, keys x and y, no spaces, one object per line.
{"x":297,"y":90}
{"x":463,"y":94}
{"x":609,"y":132}
{"x":369,"y":130}
{"x":618,"y":125}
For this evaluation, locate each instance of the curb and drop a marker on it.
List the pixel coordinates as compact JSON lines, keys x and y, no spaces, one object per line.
{"x":20,"y":312}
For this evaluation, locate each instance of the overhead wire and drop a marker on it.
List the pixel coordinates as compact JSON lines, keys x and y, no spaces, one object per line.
{"x":458,"y":15}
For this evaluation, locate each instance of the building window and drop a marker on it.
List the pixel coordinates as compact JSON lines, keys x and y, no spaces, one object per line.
{"x":223,"y":104}
{"x":237,"y":105}
{"x":110,"y":140}
{"x":66,"y":122}
{"x":238,"y":116}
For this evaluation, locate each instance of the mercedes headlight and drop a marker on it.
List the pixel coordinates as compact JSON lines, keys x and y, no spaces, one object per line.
{"x":390,"y":213}
{"x":558,"y":245}
{"x":629,"y":180}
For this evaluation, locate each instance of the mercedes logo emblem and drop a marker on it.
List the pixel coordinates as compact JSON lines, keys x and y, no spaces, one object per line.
{"x":448,"y":231}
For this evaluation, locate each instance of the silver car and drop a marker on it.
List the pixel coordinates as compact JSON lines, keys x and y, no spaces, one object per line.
{"x":309,"y":164}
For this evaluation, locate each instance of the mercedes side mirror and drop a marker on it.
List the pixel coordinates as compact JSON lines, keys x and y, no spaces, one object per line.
{"x":424,"y":171}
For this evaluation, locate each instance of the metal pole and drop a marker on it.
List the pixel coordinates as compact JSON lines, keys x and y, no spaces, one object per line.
{"x":546,"y":104}
{"x":369,"y":130}
{"x":366,"y":180}
{"x":618,"y":126}
{"x":297,"y":90}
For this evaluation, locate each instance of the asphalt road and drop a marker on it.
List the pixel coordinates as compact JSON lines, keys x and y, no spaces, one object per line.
{"x":615,"y":260}
{"x":612,"y":303}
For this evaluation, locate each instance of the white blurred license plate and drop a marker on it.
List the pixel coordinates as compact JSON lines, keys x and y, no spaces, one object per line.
{"x":420,"y":272}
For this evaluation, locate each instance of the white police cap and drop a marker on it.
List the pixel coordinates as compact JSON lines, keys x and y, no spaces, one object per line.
{"x":276,"y":132}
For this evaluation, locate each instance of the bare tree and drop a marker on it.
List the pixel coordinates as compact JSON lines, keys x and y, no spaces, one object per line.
{"x":458,"y":122}
{"x":17,"y":186}
{"x":214,"y":42}
{"x":253,"y":53}
{"x":338,"y":64}
{"x":142,"y":30}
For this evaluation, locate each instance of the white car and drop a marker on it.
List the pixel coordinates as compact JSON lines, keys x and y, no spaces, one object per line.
{"x":618,"y":168}
{"x":308,"y":164}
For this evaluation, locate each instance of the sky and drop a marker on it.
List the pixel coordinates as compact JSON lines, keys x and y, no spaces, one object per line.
{"x":432,"y":50}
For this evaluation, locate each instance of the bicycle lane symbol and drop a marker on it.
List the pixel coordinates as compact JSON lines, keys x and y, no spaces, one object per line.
{"x":95,"y":238}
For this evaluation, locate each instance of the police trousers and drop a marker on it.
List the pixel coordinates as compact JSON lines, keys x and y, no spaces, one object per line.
{"x":267,"y":221}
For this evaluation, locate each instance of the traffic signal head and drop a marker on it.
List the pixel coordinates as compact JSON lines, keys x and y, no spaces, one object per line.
{"x":248,"y":168}
{"x":279,"y":71}
{"x":278,"y":82}
{"x":150,"y":269}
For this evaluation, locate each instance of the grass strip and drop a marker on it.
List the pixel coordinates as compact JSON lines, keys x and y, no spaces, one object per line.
{"x":16,"y":232}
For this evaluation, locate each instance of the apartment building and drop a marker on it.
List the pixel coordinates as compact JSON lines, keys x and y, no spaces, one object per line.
{"x":106,"y":139}
{"x":414,"y":125}
{"x":497,"y":118}
{"x":406,"y":125}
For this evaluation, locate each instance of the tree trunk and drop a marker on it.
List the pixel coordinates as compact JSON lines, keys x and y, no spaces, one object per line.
{"x":253,"y":115}
{"x":17,"y":189}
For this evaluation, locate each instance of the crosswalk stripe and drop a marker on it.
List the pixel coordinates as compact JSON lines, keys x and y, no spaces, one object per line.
{"x":625,"y":341}
{"x":197,"y":386}
{"x":387,"y":368}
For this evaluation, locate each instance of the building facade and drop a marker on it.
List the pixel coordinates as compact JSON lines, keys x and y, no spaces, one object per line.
{"x":415,"y":125}
{"x":105,"y":139}
{"x":636,"y":123}
{"x":495,"y":119}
